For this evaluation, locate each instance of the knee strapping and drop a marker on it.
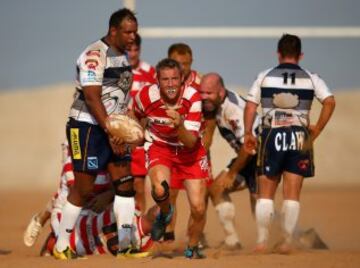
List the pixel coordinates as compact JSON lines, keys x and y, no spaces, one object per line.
{"x":121,"y":181}
{"x":166,"y":194}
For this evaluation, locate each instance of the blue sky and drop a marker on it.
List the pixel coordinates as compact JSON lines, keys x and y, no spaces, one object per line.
{"x":41,"y":39}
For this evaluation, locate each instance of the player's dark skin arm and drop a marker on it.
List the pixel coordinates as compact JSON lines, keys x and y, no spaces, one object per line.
{"x":96,"y":107}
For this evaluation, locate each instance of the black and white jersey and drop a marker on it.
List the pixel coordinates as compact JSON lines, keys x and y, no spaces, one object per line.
{"x":286,"y":93}
{"x":230,"y":120}
{"x":100,"y":65}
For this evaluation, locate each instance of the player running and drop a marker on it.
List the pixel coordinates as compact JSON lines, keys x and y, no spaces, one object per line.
{"x":174,"y":149}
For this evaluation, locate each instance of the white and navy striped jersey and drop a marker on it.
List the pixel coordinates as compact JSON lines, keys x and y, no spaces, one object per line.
{"x":100,"y":65}
{"x":230,"y":120}
{"x":286,"y":93}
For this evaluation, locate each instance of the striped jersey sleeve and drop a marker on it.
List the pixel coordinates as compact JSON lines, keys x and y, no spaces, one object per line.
{"x":193,"y":118}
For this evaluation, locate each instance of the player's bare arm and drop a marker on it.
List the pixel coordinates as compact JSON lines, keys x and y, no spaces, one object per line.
{"x":328,"y":107}
{"x":185,"y":136}
{"x":240,"y":162}
{"x":250,"y":142}
{"x":208,"y":134}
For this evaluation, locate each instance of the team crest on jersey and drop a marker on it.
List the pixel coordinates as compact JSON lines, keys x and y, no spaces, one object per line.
{"x":125,"y":81}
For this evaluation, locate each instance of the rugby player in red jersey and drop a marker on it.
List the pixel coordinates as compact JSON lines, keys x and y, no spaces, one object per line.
{"x":174,"y":148}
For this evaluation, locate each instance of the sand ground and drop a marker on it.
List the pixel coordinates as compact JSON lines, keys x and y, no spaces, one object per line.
{"x":32,"y":128}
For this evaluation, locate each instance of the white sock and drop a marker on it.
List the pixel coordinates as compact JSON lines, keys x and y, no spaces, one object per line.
{"x":226,"y":213}
{"x":124,"y":210}
{"x":264,"y":212}
{"x":290,"y":215}
{"x":69,"y":215}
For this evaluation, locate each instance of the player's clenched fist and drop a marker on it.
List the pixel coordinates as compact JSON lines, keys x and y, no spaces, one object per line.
{"x":175,"y":117}
{"x":250,"y":144}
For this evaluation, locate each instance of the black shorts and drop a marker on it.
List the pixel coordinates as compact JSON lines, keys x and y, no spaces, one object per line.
{"x":285,"y":149}
{"x":248,"y":173}
{"x":90,"y":148}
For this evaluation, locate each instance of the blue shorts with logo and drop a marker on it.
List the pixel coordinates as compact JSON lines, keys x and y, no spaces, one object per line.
{"x":248,"y":173}
{"x":285,"y":149}
{"x":90,"y":148}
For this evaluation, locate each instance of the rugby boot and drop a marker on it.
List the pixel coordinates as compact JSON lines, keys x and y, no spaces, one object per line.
{"x":66,"y":254}
{"x":132,"y":253}
{"x":160,"y":223}
{"x":194,"y":253}
{"x":32,"y":231}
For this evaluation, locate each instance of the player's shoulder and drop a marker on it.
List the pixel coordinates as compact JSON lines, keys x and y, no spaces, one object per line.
{"x":267,"y":72}
{"x":146,"y":67}
{"x":149,"y":94}
{"x":233,"y":104}
{"x":93,"y":55}
{"x":197,"y":76}
{"x":95,"y":49}
{"x":191,"y":94}
{"x":312,"y":75}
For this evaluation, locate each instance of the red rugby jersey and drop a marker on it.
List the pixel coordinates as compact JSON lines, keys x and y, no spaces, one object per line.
{"x":148,"y":104}
{"x":143,"y":75}
{"x":193,"y":80}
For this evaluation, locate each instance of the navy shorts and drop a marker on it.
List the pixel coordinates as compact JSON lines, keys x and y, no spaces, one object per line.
{"x":248,"y":173}
{"x":90,"y":148}
{"x":285,"y":149}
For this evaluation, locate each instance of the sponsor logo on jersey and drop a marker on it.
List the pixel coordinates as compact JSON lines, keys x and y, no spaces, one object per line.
{"x":90,"y":77}
{"x":283,"y":119}
{"x":93,"y":53}
{"x":92,"y":162}
{"x":75,"y":143}
{"x":91,"y":64}
{"x":292,"y":143}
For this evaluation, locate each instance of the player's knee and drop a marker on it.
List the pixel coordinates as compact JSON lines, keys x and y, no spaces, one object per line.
{"x":124,"y":186}
{"x":198,"y":210}
{"x":160,"y":192}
